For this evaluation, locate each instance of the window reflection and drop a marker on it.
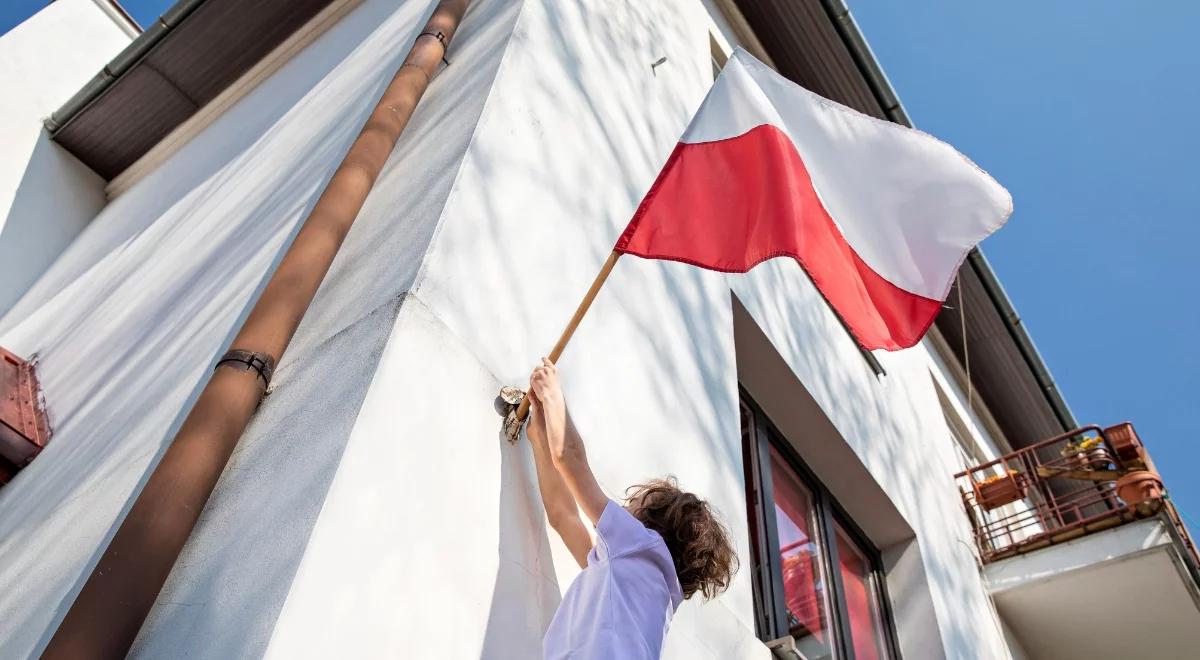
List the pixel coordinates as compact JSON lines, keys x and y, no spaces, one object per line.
{"x":800,"y":553}
{"x":866,"y":630}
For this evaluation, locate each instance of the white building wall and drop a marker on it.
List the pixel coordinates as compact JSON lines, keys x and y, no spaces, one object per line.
{"x":373,"y":508}
{"x":574,"y":131}
{"x":46,"y":195}
{"x":127,"y":323}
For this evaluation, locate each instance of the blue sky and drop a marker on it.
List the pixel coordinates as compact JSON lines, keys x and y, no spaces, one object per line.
{"x":13,"y":12}
{"x":1086,"y":112}
{"x":1087,"y":116}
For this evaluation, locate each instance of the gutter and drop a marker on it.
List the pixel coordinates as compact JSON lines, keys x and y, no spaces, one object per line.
{"x":127,"y":23}
{"x":120,"y":65}
{"x":883,"y":91}
{"x":120,"y":9}
{"x":1012,"y":321}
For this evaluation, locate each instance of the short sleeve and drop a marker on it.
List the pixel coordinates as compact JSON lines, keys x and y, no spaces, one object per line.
{"x":618,"y":532}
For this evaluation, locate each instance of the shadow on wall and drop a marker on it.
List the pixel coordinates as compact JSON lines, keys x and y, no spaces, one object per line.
{"x":896,"y":428}
{"x":526,"y":593}
{"x":242,"y":560}
{"x":263,"y":510}
{"x":129,"y":320}
{"x":620,"y":124}
{"x":572,"y":138}
{"x":56,"y":199}
{"x":577,"y":137}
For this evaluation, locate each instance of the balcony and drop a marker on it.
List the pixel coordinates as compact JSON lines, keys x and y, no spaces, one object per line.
{"x":1077,"y":527}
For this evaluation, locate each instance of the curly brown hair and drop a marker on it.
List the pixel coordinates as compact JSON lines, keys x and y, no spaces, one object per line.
{"x":699,"y":542}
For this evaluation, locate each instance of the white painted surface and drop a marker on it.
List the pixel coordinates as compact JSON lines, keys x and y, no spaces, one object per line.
{"x":1080,"y":553}
{"x":237,"y":569}
{"x":372,"y":508}
{"x":1113,"y":595}
{"x":46,"y":195}
{"x":572,"y":135}
{"x":128,"y":321}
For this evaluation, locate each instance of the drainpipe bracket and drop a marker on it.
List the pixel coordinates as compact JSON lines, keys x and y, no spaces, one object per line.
{"x":441,"y":37}
{"x":261,"y":363}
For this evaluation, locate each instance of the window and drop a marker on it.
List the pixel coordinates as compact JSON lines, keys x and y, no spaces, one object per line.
{"x":816,"y":578}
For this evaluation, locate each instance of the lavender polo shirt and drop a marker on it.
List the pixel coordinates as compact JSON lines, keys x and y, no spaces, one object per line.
{"x":619,"y":607}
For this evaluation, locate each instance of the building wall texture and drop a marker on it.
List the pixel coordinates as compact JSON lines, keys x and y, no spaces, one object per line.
{"x":373,"y":507}
{"x":46,"y":195}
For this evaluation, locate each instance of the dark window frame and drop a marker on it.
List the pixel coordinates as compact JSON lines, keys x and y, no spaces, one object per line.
{"x":770,"y":614}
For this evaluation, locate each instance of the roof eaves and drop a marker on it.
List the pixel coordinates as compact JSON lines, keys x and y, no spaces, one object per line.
{"x":122,"y":63}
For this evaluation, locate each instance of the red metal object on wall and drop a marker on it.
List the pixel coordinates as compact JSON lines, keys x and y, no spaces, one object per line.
{"x":23,"y":428}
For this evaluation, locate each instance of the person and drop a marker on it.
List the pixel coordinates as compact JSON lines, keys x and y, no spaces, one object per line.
{"x":659,"y":549}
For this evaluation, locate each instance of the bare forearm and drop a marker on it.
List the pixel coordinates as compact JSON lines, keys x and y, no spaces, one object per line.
{"x":570,"y":458}
{"x":561,"y":510}
{"x":556,"y":496}
{"x":566,"y":447}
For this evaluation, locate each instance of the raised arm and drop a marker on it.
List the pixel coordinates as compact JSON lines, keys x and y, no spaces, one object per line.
{"x":566,"y":446}
{"x":561,"y":510}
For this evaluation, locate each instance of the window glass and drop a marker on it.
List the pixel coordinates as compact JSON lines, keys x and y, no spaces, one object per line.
{"x":815,"y":580}
{"x":862,"y":606}
{"x":800,"y":560}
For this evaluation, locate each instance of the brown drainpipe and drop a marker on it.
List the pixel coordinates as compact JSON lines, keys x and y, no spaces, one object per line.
{"x":109,"y":611}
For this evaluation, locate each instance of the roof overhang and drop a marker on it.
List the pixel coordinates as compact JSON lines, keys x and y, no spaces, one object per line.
{"x":177,"y":65}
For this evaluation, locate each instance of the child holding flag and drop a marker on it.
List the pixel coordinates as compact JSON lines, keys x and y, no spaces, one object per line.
{"x":663,"y":546}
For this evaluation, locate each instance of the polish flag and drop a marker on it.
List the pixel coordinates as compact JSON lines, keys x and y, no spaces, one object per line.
{"x":880,"y":215}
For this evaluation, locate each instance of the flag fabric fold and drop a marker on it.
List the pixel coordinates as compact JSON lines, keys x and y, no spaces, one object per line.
{"x":879,"y":215}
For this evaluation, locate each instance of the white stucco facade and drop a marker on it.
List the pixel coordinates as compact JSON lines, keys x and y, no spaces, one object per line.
{"x":373,"y":508}
{"x":46,"y":195}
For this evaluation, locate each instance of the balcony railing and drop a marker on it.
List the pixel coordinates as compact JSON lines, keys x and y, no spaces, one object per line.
{"x":1077,"y":483}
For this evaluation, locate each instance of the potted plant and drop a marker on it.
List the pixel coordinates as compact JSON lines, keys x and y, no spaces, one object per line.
{"x":1086,"y":453}
{"x":1139,"y":486}
{"x":1000,"y":489}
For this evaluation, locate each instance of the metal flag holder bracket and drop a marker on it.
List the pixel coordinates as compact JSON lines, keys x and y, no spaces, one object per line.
{"x":506,"y":404}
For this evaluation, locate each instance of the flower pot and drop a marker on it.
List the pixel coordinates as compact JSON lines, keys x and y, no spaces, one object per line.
{"x":1124,"y":441}
{"x":1095,"y":458}
{"x":1139,"y":486}
{"x":995,"y":494}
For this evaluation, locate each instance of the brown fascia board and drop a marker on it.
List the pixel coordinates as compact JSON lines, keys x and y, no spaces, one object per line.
{"x":177,"y":65}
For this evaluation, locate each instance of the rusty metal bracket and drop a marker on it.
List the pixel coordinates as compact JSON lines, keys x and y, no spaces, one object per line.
{"x":506,"y":404}
{"x":246,"y":360}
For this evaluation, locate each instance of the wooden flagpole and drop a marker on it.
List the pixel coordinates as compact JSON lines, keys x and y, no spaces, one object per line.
{"x":523,"y":409}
